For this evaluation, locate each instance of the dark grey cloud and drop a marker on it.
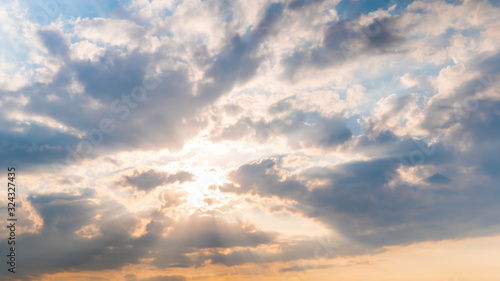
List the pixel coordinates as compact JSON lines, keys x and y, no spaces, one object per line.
{"x":353,"y":199}
{"x":112,"y":76}
{"x":311,"y":129}
{"x":145,"y":181}
{"x":27,"y":145}
{"x":211,"y":232}
{"x":238,"y":62}
{"x":232,"y":109}
{"x":84,"y":231}
{"x":180,"y":177}
{"x":397,"y":106}
{"x":267,"y":184}
{"x":345,"y":40}
{"x":279,"y":107}
{"x":302,"y":129}
{"x":298,"y":4}
{"x":409,"y":151}
{"x":481,"y":128}
{"x":206,"y":232}
{"x":358,"y":202}
{"x":148,"y":180}
{"x":471,"y":117}
{"x":290,"y":251}
{"x":54,"y":42}
{"x":438,"y":179}
{"x":165,"y":117}
{"x":57,"y":246}
{"x":456,"y":107}
{"x":235,"y":131}
{"x":381,"y":36}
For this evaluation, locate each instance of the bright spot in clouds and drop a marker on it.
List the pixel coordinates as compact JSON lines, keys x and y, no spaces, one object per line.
{"x":251,"y":140}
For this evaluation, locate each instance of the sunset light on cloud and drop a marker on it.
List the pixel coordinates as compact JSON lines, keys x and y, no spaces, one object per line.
{"x":302,"y":140}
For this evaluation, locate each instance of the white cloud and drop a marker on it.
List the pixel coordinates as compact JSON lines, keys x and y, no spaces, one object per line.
{"x":111,"y":31}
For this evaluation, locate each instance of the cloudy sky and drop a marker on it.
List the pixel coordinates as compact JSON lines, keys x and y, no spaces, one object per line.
{"x":252,"y":139}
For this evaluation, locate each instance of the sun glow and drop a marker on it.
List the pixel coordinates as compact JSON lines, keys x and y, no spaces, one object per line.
{"x":203,"y":192}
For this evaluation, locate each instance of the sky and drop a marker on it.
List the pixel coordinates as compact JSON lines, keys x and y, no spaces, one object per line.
{"x":252,"y":140}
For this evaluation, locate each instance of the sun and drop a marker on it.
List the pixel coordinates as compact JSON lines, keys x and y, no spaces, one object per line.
{"x":202,"y":191}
